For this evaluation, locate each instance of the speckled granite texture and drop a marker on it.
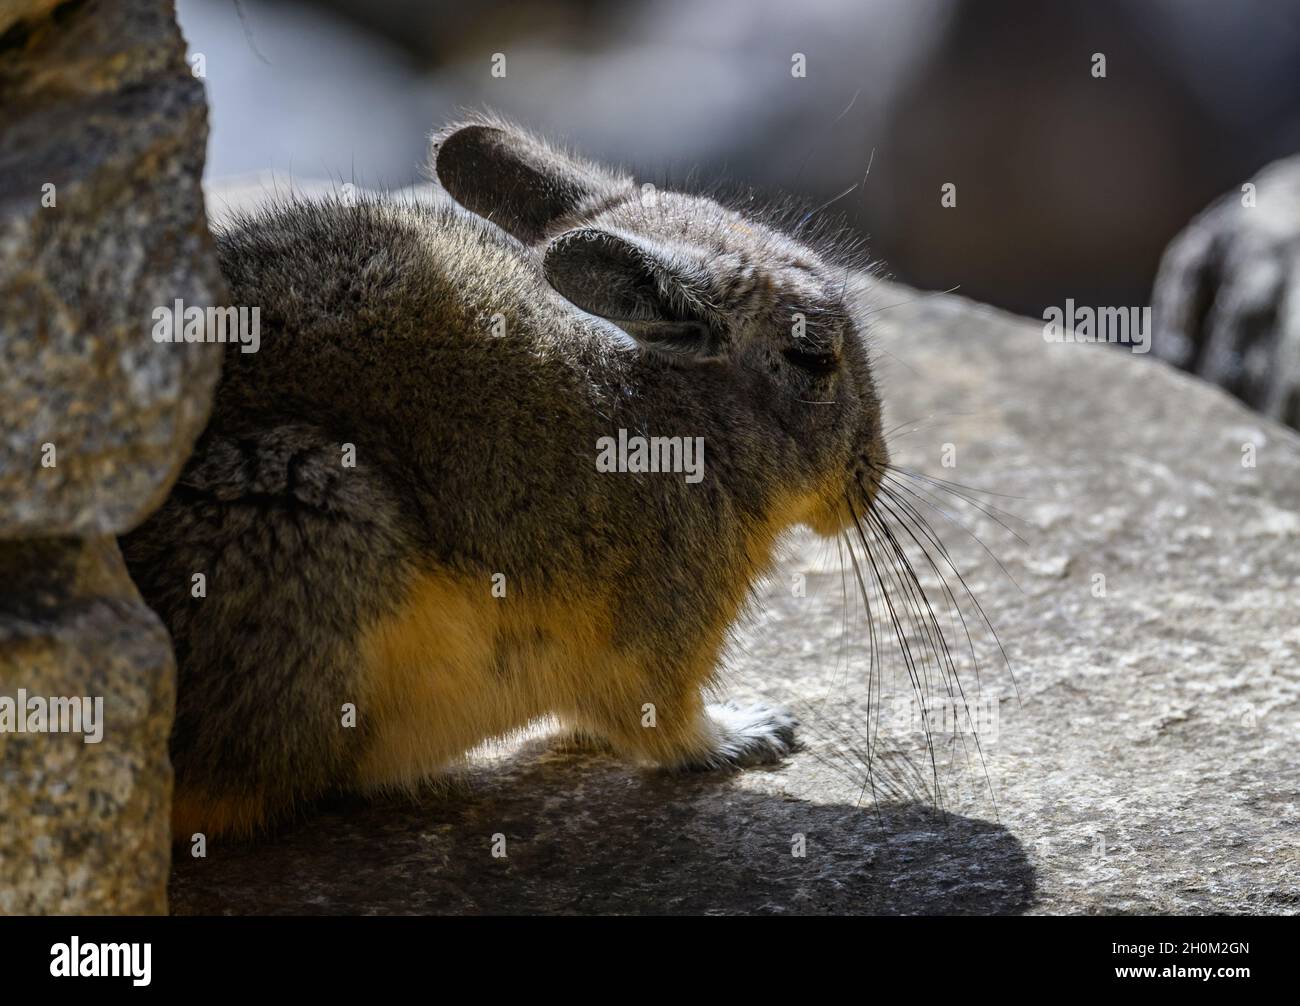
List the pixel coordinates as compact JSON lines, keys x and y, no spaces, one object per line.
{"x":102,"y":135}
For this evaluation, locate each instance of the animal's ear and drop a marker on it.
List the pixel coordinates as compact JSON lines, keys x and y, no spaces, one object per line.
{"x":517,"y":181}
{"x":652,"y":293}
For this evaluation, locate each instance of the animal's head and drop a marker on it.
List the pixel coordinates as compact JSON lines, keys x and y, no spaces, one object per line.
{"x":699,"y":285}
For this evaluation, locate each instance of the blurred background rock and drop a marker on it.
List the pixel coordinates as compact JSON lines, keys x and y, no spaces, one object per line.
{"x":1068,"y":185}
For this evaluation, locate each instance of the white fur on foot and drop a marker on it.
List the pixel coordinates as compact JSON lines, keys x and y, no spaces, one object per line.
{"x":747,"y":735}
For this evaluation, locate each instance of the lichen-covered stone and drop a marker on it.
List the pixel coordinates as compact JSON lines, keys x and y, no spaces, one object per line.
{"x":102,"y":134}
{"x":1227,"y":298}
{"x":83,"y":826}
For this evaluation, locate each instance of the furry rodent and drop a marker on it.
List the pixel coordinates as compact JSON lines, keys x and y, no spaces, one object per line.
{"x":473,"y":355}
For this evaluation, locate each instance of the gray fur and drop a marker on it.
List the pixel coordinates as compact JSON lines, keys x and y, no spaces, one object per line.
{"x":476,"y":451}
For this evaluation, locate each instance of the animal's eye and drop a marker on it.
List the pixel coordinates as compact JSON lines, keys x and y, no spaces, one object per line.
{"x":818,"y":364}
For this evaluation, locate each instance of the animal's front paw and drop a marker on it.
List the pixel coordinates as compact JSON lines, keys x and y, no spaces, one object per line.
{"x":747,"y":735}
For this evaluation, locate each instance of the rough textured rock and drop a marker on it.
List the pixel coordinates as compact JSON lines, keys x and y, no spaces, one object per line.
{"x":1227,"y":297}
{"x":83,"y":825}
{"x":97,"y":100}
{"x":1144,"y":759}
{"x":102,"y":133}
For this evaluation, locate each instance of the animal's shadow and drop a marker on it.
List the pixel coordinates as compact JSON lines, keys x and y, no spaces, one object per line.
{"x":586,"y":834}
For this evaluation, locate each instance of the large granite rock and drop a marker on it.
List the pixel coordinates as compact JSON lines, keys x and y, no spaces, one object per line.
{"x":83,"y":821}
{"x":97,"y":100}
{"x":1227,"y":297}
{"x":102,"y":134}
{"x":1143,"y":760}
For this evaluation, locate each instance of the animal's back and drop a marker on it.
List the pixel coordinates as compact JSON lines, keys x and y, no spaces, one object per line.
{"x":326,"y":483}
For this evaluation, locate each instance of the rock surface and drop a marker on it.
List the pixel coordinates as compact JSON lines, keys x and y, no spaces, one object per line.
{"x":102,"y":134}
{"x":83,"y":825}
{"x":97,"y":101}
{"x":1146,"y":591}
{"x":1227,"y":297}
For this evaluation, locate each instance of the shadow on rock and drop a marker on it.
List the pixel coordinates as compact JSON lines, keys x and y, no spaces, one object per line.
{"x":588,"y":835}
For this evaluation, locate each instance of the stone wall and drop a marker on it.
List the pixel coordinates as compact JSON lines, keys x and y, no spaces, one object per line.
{"x":102,"y":137}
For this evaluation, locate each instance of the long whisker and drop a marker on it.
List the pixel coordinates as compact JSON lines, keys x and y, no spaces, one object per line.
{"x":905,"y":517}
{"x":915,"y":674}
{"x":994,"y":513}
{"x":928,"y":500}
{"x":862,"y":587}
{"x":878,"y":542}
{"x":922,"y":612}
{"x":958,"y":485}
{"x":954,"y":678}
{"x":915,"y":300}
{"x":830,"y":202}
{"x":928,"y":532}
